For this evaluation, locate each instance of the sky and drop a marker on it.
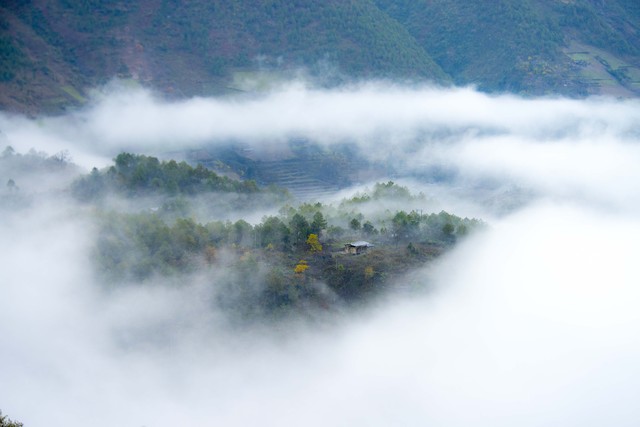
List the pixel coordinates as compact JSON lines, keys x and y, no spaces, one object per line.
{"x":532,"y":322}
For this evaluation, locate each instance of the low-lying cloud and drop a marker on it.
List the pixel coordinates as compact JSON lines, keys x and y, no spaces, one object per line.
{"x":532,"y":322}
{"x":371,"y":114}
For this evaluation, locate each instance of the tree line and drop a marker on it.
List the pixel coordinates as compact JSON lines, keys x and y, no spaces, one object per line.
{"x":136,"y":174}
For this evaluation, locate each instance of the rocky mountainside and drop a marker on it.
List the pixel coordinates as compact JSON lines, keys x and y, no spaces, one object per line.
{"x":52,"y":52}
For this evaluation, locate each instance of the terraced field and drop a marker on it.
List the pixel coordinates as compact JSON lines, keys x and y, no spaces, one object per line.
{"x":308,"y":171}
{"x":605,"y":73}
{"x":295,"y":175}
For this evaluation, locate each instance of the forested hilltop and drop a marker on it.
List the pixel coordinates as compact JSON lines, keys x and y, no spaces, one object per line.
{"x":166,"y":222}
{"x":53,"y":52}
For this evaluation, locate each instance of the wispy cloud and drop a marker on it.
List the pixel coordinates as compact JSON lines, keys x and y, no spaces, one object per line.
{"x":370,"y":114}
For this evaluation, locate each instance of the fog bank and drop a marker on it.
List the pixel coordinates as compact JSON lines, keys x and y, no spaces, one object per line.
{"x":533,"y":322}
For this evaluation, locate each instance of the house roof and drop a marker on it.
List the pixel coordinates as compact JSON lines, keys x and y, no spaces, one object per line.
{"x":359,"y":244}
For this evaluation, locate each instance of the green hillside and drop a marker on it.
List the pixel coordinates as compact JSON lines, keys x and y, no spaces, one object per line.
{"x":192,"y":48}
{"x":52,"y":52}
{"x":523,"y":46}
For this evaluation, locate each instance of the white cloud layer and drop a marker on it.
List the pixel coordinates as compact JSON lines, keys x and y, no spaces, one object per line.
{"x":534,"y":321}
{"x":371,"y":114}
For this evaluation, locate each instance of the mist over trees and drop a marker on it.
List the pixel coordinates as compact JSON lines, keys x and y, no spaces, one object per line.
{"x":151,"y":228}
{"x":282,"y":261}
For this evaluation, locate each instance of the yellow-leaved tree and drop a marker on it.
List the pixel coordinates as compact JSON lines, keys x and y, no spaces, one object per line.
{"x":314,"y":243}
{"x":301,"y":267}
{"x":368,"y":272}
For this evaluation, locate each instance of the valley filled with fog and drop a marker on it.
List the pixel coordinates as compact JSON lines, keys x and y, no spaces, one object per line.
{"x":531,"y":320}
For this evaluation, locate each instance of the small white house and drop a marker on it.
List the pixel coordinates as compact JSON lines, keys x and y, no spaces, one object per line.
{"x":356,"y":248}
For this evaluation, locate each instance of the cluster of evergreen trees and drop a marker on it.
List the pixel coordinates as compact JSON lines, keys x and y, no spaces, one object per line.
{"x":136,"y":174}
{"x":138,"y":246}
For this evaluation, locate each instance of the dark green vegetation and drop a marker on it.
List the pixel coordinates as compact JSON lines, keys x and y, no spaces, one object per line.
{"x":52,"y":51}
{"x":143,"y":175}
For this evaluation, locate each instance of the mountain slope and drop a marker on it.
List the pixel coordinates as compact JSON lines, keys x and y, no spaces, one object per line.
{"x":194,"y":47}
{"x":522,"y":46}
{"x":53,"y":51}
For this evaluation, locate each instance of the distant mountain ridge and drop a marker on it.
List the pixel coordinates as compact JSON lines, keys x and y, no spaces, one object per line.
{"x":529,"y":46}
{"x":53,"y":51}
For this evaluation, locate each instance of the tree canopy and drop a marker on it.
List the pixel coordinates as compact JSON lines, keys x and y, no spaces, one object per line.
{"x":136,"y":174}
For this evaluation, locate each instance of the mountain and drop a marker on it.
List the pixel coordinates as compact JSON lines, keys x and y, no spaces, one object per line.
{"x":53,"y":51}
{"x":573,"y":47}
